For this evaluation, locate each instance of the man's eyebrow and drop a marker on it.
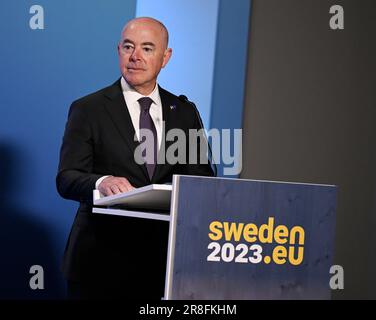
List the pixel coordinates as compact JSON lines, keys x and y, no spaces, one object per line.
{"x":127,"y":41}
{"x":143,"y":44}
{"x":148,"y":44}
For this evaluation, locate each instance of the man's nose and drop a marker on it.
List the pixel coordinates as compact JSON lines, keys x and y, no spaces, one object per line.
{"x":135,"y":56}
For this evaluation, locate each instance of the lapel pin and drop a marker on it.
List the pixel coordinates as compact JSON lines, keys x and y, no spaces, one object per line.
{"x":173,"y":107}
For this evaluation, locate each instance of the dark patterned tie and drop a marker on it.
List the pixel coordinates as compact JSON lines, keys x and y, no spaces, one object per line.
{"x":146,"y":122}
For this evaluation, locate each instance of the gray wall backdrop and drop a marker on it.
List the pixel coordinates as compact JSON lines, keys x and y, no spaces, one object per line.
{"x":310,"y":116}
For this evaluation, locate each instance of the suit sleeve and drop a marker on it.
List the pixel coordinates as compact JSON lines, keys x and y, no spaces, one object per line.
{"x":75,"y":179}
{"x":201,"y":166}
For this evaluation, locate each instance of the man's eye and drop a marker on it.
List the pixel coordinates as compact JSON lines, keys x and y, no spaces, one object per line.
{"x":148,"y":49}
{"x":127,"y":47}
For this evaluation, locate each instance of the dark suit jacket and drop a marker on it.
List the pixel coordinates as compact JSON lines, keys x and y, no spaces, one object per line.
{"x":99,"y":140}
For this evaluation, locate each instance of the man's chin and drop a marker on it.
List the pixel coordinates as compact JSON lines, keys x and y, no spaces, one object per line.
{"x":133,"y":81}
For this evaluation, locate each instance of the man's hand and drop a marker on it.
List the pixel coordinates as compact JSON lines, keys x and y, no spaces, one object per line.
{"x":114,"y":185}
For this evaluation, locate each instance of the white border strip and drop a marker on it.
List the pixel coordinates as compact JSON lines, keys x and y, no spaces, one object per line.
{"x":134,"y":214}
{"x":172,"y":237}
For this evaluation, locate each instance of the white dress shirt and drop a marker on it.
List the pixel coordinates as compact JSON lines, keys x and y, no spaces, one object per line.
{"x":131,"y":97}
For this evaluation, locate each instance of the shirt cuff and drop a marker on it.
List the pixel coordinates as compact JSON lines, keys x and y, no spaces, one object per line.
{"x":98,"y":182}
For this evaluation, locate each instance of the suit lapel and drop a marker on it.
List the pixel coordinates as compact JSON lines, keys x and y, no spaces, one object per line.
{"x":119,"y":114}
{"x":167,"y":114}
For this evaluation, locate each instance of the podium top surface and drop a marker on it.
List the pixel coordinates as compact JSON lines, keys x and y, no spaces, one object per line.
{"x":261,"y":180}
{"x":154,"y":196}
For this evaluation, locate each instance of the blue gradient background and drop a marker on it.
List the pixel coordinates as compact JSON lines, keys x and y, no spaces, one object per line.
{"x":43,"y":71}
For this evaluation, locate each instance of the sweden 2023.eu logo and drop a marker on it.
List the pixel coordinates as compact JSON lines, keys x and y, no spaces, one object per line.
{"x":244,"y":243}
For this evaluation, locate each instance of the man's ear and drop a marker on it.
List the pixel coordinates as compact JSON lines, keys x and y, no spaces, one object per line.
{"x":166,"y":56}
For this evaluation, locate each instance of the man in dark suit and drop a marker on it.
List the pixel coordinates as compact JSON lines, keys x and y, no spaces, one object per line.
{"x":109,"y":256}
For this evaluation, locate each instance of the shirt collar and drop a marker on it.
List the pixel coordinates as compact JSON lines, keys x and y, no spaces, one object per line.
{"x":131,"y":95}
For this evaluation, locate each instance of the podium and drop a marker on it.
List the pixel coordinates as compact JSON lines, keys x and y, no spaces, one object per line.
{"x":244,"y":239}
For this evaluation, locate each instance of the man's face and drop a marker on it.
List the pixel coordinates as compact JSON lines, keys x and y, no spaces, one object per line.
{"x":142,"y":53}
